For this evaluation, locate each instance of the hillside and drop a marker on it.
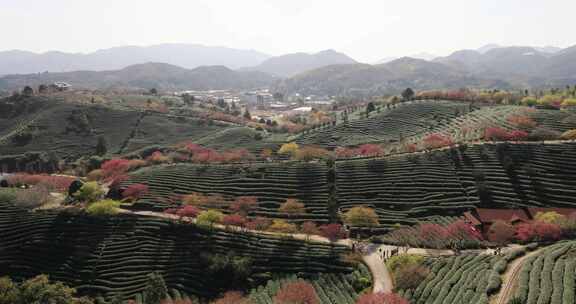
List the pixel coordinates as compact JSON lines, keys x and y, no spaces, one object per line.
{"x":391,"y":77}
{"x":110,"y":257}
{"x":185,"y":55}
{"x":145,"y":76}
{"x":293,"y":64}
{"x":46,"y":130}
{"x":492,"y":67}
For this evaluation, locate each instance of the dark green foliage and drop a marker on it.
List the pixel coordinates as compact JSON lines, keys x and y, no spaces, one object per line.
{"x":156,"y":290}
{"x":101,"y":146}
{"x":407,"y":94}
{"x":111,"y":256}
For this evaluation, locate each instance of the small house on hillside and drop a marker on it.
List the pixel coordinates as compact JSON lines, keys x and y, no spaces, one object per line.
{"x":482,"y":219}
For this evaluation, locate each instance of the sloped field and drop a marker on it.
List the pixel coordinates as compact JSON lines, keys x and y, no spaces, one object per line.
{"x":404,"y":189}
{"x":460,"y":279}
{"x":272,"y":184}
{"x":401,"y":121}
{"x":111,"y":256}
{"x":549,"y":277}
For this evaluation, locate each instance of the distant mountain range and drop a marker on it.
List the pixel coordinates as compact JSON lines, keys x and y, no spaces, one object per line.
{"x":324,"y":73}
{"x":146,"y":76}
{"x":293,"y":64}
{"x":490,"y":67}
{"x":185,"y":55}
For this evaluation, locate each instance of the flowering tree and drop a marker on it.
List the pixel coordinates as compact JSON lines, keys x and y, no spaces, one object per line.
{"x":292,"y":207}
{"x":370,"y":150}
{"x":332,"y":232}
{"x":243,"y":205}
{"x":282,"y":226}
{"x":342,"y":152}
{"x":135,"y":191}
{"x":495,"y":134}
{"x":461,"y":230}
{"x":299,"y":292}
{"x":158,"y":158}
{"x":434,"y":141}
{"x":517,"y":135}
{"x":289,"y":148}
{"x":258,"y":223}
{"x":188,"y":211}
{"x":381,"y":298}
{"x":115,"y":167}
{"x":433,"y":234}
{"x":361,"y":216}
{"x":234,"y":220}
{"x":538,"y":231}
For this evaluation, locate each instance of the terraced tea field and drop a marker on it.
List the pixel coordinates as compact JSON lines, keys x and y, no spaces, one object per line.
{"x":406,"y":188}
{"x":461,"y":279}
{"x":331,"y":288}
{"x":107,"y":257}
{"x":549,"y":276}
{"x":272,"y":184}
{"x":402,"y":121}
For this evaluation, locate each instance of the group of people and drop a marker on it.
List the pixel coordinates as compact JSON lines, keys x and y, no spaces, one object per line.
{"x":385,"y":254}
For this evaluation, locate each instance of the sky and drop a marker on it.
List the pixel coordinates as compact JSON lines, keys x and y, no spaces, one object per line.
{"x":366,"y":30}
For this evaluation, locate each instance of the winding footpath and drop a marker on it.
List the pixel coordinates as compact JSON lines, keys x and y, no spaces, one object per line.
{"x":510,"y":278}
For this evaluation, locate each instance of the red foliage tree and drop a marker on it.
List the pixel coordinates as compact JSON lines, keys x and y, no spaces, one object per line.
{"x":244,"y":205}
{"x":496,"y":134}
{"x":381,"y":298}
{"x":258,"y":223}
{"x":538,"y":231}
{"x":188,"y":211}
{"x":332,"y":232}
{"x":517,"y":135}
{"x":135,"y":191}
{"x":434,"y":141}
{"x":298,"y":292}
{"x":342,"y":152}
{"x":370,"y":150}
{"x":115,"y":167}
{"x":234,"y":220}
{"x":432,"y":232}
{"x":462,"y":231}
{"x":309,"y":228}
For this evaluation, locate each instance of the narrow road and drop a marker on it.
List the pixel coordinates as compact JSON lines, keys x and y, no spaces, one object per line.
{"x":510,"y":278}
{"x":382,"y":281}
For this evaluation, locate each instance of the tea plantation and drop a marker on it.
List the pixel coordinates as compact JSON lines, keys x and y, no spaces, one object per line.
{"x":406,"y":188}
{"x":549,"y":277}
{"x":461,"y":279}
{"x":400,"y":121}
{"x":108,"y":257}
{"x":272,"y":184}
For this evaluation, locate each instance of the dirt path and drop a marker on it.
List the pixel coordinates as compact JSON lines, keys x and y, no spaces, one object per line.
{"x":510,"y":278}
{"x":381,"y":278}
{"x":297,"y":236}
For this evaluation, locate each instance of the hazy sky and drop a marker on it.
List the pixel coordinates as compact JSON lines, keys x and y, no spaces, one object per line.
{"x":367,"y":30}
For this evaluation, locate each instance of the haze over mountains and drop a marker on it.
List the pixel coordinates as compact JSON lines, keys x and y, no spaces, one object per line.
{"x":325,"y":73}
{"x":185,"y":55}
{"x":293,"y":64}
